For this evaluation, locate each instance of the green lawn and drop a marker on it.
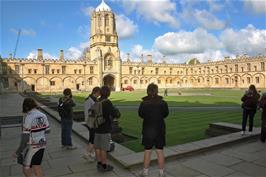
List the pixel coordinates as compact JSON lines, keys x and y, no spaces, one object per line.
{"x":181,"y":126}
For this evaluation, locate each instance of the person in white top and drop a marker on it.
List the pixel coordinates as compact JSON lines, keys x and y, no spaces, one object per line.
{"x":89,"y":102}
{"x":33,"y":140}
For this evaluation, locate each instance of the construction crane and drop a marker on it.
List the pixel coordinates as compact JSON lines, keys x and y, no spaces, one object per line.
{"x":15,"y":50}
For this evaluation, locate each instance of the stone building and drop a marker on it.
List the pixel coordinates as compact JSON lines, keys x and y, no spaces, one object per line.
{"x":102,"y":65}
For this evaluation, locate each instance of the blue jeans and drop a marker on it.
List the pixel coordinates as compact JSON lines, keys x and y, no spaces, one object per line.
{"x":66,"y":130}
{"x":248,"y":114}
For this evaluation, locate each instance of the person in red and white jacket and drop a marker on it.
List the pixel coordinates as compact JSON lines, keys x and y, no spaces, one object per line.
{"x":33,"y":139}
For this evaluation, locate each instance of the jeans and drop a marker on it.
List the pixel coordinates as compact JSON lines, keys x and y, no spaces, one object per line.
{"x":246,"y":114}
{"x":66,"y":130}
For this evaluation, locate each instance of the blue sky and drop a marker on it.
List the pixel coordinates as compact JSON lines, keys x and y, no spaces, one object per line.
{"x":179,"y":30}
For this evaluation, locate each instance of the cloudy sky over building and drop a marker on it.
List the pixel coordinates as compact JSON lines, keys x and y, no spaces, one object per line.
{"x":179,"y":30}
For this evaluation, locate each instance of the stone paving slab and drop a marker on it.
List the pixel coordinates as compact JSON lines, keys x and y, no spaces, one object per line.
{"x":250,"y":169}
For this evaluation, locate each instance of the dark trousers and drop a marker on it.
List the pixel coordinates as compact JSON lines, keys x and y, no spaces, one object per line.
{"x":66,"y":130}
{"x":248,"y":114}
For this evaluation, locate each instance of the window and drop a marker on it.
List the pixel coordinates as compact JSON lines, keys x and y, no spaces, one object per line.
{"x":130,"y":70}
{"x":164,"y":72}
{"x":142,"y":71}
{"x":255,"y":68}
{"x":248,"y":80}
{"x":159,"y":81}
{"x":75,"y":71}
{"x":257,"y":80}
{"x":91,"y":70}
{"x":227,"y":80}
{"x":141,"y":81}
{"x":58,"y":71}
{"x":151,"y":71}
{"x":135,"y":72}
{"x":52,"y":71}
{"x":216,"y":80}
{"x":248,"y":66}
{"x":108,"y":38}
{"x":156,"y":71}
{"x":29,"y":71}
{"x":35,"y":71}
{"x":236,"y":68}
{"x":63,"y":69}
{"x":17,"y":69}
{"x":226,"y":69}
{"x":90,"y":81}
{"x":80,"y":71}
{"x":170,"y":81}
{"x":135,"y":81}
{"x":198,"y":80}
{"x":262,"y":64}
{"x":52,"y":83}
{"x":4,"y":67}
{"x":99,"y":21}
{"x":106,"y":20}
{"x":125,"y":81}
{"x":242,"y":69}
{"x":170,"y":71}
{"x":47,"y":68}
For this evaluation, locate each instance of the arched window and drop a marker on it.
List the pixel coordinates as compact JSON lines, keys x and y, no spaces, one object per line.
{"x":99,"y":21}
{"x":106,"y":20}
{"x":90,"y":81}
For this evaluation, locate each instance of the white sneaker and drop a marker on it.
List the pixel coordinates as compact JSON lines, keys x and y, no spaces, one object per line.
{"x":88,"y":157}
{"x":142,"y":174}
{"x":242,"y":133}
{"x":250,"y":133}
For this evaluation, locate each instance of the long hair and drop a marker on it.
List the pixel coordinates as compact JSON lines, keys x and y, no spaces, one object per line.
{"x":67,"y":92}
{"x":105,"y":92}
{"x":152,"y":90}
{"x":94,"y":90}
{"x":28,"y":104}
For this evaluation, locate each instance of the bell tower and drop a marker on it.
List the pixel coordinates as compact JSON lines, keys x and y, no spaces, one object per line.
{"x":104,"y":46}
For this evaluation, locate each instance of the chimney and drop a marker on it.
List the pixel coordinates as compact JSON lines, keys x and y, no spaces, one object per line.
{"x":128,"y":57}
{"x":142,"y":58}
{"x":149,"y":58}
{"x":61,"y":58}
{"x":39,"y":55}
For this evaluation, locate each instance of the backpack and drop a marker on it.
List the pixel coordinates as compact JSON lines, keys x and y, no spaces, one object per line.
{"x":96,"y":114}
{"x":61,"y":108}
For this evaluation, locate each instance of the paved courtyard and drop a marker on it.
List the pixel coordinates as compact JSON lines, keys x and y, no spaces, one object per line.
{"x":247,"y":159}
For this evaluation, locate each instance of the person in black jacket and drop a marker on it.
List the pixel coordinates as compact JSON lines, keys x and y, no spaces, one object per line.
{"x":263,"y":118}
{"x":250,"y":103}
{"x":153,"y":110}
{"x":66,"y":105}
{"x":103,"y":132}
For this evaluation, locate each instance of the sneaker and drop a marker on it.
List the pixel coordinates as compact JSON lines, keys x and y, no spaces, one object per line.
{"x":242,"y":133}
{"x":88,"y":157}
{"x":250,"y":133}
{"x":71,"y":147}
{"x":108,"y":168}
{"x":142,"y":174}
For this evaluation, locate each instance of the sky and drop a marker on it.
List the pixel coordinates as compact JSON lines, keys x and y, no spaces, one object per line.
{"x":175,"y":29}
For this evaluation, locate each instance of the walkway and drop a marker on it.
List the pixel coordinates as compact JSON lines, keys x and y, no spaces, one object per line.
{"x":241,"y":160}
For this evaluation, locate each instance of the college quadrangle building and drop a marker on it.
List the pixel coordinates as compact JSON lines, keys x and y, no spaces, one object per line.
{"x":102,"y":65}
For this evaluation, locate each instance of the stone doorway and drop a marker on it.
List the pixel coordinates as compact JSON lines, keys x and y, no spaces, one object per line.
{"x":109,"y":81}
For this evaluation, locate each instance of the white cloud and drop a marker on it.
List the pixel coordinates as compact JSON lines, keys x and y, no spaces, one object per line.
{"x":208,"y":20}
{"x":197,"y":41}
{"x":24,"y":32}
{"x":87,"y":10}
{"x":156,"y":11}
{"x":125,"y":27}
{"x":33,"y":55}
{"x":249,"y":40}
{"x":215,"y":6}
{"x":257,"y":6}
{"x":73,"y":53}
{"x":84,"y":45}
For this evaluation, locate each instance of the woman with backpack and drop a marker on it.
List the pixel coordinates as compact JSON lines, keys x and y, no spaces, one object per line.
{"x":65,"y":109}
{"x":33,"y":139}
{"x":89,"y":102}
{"x":103,"y":130}
{"x":263,"y":118}
{"x":250,"y":104}
{"x":153,"y":110}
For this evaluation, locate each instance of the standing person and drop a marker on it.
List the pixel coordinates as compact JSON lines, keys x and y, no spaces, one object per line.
{"x":166,"y":92}
{"x":89,"y":101}
{"x":33,"y":140}
{"x":103,"y":132}
{"x":250,"y":103}
{"x":263,"y":118}
{"x":153,"y":110}
{"x":65,"y":109}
